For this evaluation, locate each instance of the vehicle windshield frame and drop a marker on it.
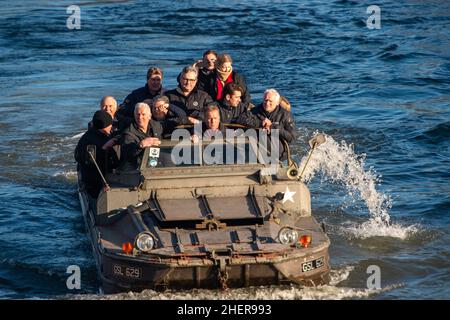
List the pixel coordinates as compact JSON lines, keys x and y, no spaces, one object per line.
{"x":171,"y":143}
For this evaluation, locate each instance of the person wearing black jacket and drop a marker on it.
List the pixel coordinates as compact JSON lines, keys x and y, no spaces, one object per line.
{"x":188,"y":97}
{"x":143,"y":132}
{"x":152,"y":88}
{"x":211,"y":126}
{"x":97,"y":135}
{"x":270,"y":115}
{"x":205,"y":68}
{"x":231,"y":108}
{"x":224,"y":74}
{"x":168,"y":115}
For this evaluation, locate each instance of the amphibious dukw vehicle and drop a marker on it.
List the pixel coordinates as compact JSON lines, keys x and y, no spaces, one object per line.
{"x":205,"y":225}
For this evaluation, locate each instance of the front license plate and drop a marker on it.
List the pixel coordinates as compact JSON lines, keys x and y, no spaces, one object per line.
{"x":127,"y":272}
{"x":313,"y":264}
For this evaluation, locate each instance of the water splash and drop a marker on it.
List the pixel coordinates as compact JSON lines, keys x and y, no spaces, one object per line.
{"x":340,"y":163}
{"x":372,"y":228}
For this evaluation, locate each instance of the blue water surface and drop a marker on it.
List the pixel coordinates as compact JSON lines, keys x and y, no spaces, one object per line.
{"x":387,"y":91}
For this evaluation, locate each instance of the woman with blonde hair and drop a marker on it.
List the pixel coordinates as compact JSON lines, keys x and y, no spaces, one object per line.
{"x":223,"y":75}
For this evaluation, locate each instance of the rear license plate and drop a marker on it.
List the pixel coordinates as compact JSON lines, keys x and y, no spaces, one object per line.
{"x":313,"y":264}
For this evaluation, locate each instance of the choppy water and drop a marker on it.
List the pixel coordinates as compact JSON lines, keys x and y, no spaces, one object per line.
{"x":385,"y":92}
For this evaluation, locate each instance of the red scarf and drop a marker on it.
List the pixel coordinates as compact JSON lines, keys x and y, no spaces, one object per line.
{"x":220,"y":86}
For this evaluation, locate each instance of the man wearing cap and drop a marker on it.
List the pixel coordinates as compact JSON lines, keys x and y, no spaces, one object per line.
{"x":143,"y":132}
{"x":97,"y":135}
{"x":152,"y":88}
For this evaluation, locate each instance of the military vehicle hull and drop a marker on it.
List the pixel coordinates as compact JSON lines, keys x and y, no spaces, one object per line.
{"x":170,"y":226}
{"x":213,"y":266}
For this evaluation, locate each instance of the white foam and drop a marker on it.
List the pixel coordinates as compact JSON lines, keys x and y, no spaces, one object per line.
{"x":77,"y":136}
{"x":373,"y":228}
{"x":292,"y":292}
{"x":339,"y":162}
{"x":285,"y":292}
{"x":339,"y":275}
{"x":71,"y":174}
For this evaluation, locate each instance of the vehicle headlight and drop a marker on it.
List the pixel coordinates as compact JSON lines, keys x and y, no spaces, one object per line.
{"x":145,"y":241}
{"x":288,"y":236}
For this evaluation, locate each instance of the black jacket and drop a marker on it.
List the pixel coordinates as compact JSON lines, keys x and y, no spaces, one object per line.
{"x":131,"y":153}
{"x":211,"y":87}
{"x":175,"y":116}
{"x":106,"y":160}
{"x":204,"y":76}
{"x":126,"y":108}
{"x":281,"y":120}
{"x":193,"y":104}
{"x":239,"y":114}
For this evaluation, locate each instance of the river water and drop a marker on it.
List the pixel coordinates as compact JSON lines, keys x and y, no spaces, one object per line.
{"x":380,"y":182}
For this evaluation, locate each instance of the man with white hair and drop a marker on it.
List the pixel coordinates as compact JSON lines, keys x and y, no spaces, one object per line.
{"x":270,"y":115}
{"x":143,"y":132}
{"x":109,"y":104}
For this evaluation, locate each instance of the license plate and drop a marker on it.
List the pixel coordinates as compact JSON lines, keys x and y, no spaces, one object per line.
{"x":313,"y":264}
{"x":127,"y":272}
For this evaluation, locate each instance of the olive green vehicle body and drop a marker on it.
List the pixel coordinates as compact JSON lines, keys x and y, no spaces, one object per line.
{"x":215,"y":226}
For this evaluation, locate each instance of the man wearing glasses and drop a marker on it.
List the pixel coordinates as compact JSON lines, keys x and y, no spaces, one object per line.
{"x":188,"y":97}
{"x":167,"y":114}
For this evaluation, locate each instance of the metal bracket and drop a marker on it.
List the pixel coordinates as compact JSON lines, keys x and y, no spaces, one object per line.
{"x":210,"y":223}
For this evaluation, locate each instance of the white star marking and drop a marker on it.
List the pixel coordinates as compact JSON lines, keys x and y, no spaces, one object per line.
{"x":288,"y":195}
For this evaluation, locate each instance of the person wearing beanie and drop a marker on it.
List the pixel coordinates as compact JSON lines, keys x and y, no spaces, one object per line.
{"x":223,"y":75}
{"x":98,"y":135}
{"x":102,"y":121}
